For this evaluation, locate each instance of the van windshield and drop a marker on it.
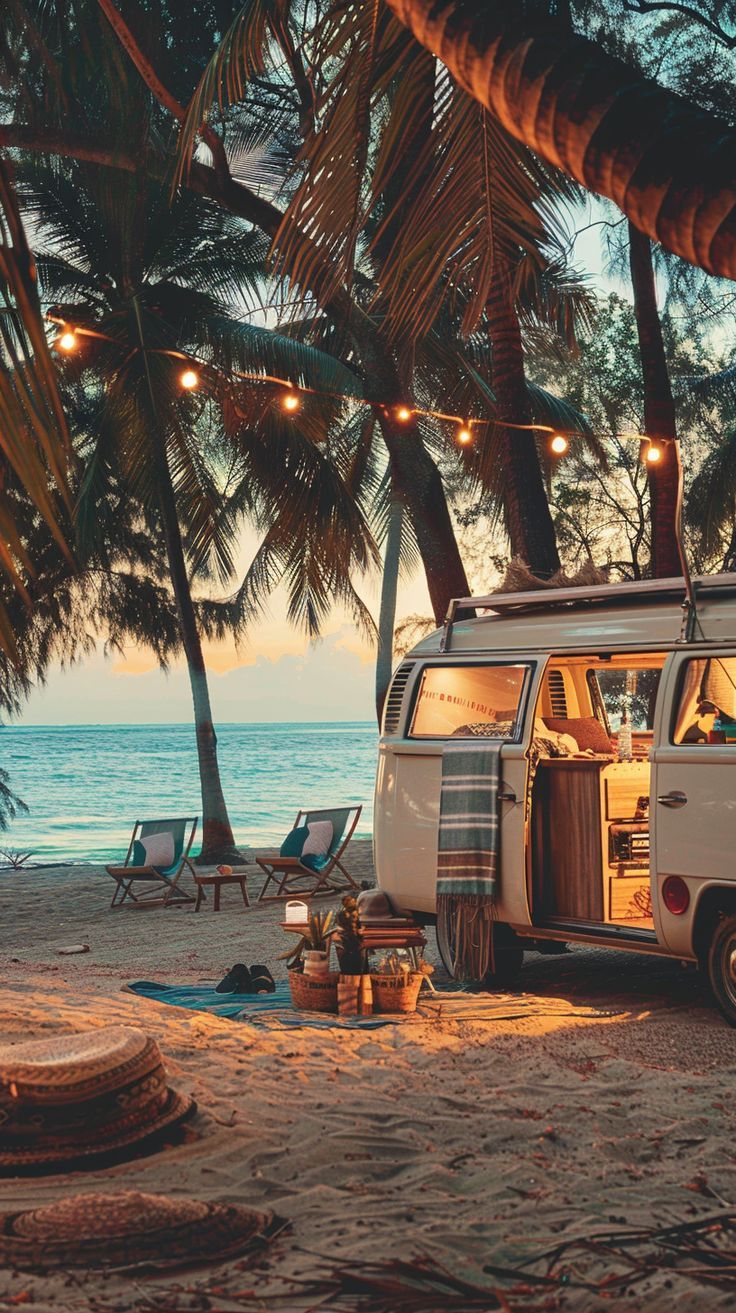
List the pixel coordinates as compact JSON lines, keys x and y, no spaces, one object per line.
{"x":633,"y":690}
{"x":464,"y":701}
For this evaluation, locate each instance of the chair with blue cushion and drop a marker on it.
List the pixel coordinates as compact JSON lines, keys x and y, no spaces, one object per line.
{"x":294,"y":874}
{"x":156,"y":883}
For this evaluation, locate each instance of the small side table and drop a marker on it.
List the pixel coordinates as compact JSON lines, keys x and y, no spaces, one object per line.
{"x":217,"y":881}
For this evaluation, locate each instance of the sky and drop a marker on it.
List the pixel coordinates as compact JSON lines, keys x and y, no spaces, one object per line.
{"x":278,"y":675}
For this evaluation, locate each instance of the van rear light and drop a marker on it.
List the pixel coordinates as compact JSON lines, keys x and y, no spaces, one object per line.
{"x":675,"y":895}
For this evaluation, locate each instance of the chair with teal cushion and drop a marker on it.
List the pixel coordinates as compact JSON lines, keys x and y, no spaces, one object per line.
{"x":293,"y":874}
{"x":160,"y":884}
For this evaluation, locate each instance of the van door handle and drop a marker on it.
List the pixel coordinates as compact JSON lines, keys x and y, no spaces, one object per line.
{"x":674,"y":799}
{"x":506,"y":795}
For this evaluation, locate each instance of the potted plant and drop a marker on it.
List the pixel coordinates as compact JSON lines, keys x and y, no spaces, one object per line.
{"x":312,"y":953}
{"x":398,"y":979}
{"x":352,"y":994}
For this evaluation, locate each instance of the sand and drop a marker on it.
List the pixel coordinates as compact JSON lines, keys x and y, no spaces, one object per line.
{"x":600,"y":1097}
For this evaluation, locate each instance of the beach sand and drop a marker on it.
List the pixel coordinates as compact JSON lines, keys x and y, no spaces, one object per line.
{"x":601,"y":1098}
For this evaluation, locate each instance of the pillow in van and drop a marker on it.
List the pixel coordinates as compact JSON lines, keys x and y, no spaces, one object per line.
{"x":587,"y":731}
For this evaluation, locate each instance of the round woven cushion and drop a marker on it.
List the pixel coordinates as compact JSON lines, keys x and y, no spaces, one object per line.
{"x":127,"y":1229}
{"x":69,"y":1069}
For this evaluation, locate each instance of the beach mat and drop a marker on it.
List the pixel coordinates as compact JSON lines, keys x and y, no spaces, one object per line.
{"x":257,"y":1008}
{"x":453,"y":1004}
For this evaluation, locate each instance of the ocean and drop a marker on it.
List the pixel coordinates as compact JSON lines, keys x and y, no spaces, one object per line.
{"x":85,"y":785}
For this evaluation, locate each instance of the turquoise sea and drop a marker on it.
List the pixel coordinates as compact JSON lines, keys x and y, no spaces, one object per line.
{"x":85,"y":785}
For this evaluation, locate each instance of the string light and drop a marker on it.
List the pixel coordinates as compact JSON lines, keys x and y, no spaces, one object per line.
{"x":291,"y":399}
{"x":67,"y":341}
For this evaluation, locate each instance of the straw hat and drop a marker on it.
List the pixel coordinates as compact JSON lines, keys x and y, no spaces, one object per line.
{"x":129,"y":1229}
{"x":75,"y":1098}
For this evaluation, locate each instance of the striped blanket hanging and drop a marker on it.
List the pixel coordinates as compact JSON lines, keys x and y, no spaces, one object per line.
{"x":468,"y":853}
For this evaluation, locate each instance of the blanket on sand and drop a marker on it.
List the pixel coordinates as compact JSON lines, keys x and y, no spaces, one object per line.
{"x":451,"y":1004}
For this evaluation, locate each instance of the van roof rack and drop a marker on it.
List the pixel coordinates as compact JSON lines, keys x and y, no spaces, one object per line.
{"x":621,"y":594}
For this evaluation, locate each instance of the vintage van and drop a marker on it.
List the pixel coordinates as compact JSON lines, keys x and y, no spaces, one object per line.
{"x":636,"y":854}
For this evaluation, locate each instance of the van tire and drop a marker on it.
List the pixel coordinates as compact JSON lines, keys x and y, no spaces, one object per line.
{"x":722,"y":967}
{"x":507,"y":953}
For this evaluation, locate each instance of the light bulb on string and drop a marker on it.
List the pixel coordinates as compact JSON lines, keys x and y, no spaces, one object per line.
{"x":653,"y":453}
{"x":290,"y":402}
{"x":189,"y":380}
{"x":67,"y":341}
{"x":403,"y":414}
{"x":559,"y":444}
{"x":464,"y":435}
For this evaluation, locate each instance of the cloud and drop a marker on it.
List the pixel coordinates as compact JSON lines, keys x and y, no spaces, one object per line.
{"x":326,"y":680}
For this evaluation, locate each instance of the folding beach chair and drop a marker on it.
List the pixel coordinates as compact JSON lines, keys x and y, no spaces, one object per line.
{"x":291,"y":876}
{"x":162,"y":881}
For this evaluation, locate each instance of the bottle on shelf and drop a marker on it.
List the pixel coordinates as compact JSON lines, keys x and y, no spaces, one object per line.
{"x":624,"y":739}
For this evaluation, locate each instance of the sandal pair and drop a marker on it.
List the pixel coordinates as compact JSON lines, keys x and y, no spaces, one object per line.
{"x":243,"y":980}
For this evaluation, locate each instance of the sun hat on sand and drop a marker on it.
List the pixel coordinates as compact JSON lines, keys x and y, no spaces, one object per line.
{"x":73,"y":1099}
{"x":130,"y":1229}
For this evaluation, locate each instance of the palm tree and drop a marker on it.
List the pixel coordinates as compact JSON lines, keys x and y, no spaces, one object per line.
{"x":152,"y":289}
{"x":659,"y":411}
{"x":666,"y":163}
{"x":34,"y":442}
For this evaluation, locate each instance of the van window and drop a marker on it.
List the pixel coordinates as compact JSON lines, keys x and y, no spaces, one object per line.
{"x":706,"y":711}
{"x":633,"y":690}
{"x":469,"y":701}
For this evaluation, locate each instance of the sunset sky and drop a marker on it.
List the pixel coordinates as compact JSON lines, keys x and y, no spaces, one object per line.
{"x":278,"y":675}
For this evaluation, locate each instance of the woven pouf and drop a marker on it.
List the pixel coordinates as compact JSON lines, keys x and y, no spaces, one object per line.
{"x":130,"y":1229}
{"x":74,"y":1098}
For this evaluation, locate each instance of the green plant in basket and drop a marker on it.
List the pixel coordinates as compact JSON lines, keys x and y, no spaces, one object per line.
{"x":351,"y":955}
{"x":316,"y":938}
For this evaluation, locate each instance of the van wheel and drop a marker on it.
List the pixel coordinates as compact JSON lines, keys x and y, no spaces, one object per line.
{"x":507,"y":953}
{"x":722,"y":967}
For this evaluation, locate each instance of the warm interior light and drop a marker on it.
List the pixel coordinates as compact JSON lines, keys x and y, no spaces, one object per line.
{"x":189,"y":380}
{"x":68,"y":341}
{"x":291,"y":402}
{"x":653,"y":453}
{"x":463,"y":435}
{"x":403,"y":413}
{"x":559,"y":444}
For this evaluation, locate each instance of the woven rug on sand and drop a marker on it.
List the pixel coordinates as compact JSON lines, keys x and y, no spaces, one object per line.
{"x":277,"y":1008}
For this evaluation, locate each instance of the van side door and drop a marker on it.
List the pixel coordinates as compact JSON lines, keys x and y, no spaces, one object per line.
{"x":693,"y":801}
{"x":457,"y":697}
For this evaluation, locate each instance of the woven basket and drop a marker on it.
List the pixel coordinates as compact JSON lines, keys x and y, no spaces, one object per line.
{"x":396,"y":993}
{"x":311,"y":995}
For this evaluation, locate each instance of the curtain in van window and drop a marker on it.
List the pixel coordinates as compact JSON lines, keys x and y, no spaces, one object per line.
{"x":719,"y":684}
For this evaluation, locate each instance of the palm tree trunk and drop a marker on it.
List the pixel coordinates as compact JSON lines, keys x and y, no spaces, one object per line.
{"x":528,"y":519}
{"x":420,"y":486}
{"x":387,"y":612}
{"x":218,"y":843}
{"x":659,"y":410}
{"x":666,"y":163}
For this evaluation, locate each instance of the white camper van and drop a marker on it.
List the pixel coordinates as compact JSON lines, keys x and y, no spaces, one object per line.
{"x":616,"y":710}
